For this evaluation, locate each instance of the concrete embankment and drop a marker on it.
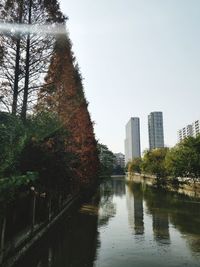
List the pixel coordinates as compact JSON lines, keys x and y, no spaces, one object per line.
{"x":187,"y":188}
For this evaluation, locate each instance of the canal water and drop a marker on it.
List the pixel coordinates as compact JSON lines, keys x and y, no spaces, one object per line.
{"x":123,"y":226}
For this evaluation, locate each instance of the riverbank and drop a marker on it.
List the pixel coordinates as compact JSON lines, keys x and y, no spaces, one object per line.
{"x":187,"y":188}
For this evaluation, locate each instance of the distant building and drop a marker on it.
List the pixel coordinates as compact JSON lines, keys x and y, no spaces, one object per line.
{"x":189,"y":130}
{"x":132,"y":141}
{"x":119,"y":160}
{"x":156,"y":132}
{"x":196,"y":128}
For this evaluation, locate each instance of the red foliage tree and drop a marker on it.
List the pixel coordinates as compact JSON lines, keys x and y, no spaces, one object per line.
{"x":63,"y":94}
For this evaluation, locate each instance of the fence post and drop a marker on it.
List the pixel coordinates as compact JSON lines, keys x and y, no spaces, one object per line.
{"x":33,"y":213}
{"x":2,"y":244}
{"x":49,"y":213}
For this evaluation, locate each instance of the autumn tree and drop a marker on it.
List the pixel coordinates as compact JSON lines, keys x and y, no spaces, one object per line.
{"x":63,"y":94}
{"x":10,"y":73}
{"x":25,"y":51}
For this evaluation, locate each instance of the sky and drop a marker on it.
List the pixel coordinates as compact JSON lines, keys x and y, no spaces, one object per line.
{"x":137,"y":56}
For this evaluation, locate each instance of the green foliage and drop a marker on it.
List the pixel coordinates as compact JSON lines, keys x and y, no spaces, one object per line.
{"x":43,"y":125}
{"x":9,"y":187}
{"x":154,"y":162}
{"x":184,"y":159}
{"x":13,"y":137}
{"x":50,"y":159}
{"x":135,"y":165}
{"x":181,"y":161}
{"x":118,"y":170}
{"x":106,"y":158}
{"x":38,"y":146}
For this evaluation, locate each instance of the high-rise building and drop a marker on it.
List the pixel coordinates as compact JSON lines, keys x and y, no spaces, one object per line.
{"x":189,"y":130}
{"x":132,"y":141}
{"x":156,"y":132}
{"x":196,"y":128}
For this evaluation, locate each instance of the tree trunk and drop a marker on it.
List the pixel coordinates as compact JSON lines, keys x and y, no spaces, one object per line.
{"x":33,"y":214}
{"x":49,"y":213}
{"x":50,"y":257}
{"x":16,"y":81}
{"x":60,"y":202}
{"x":27,"y":67}
{"x":17,"y":66}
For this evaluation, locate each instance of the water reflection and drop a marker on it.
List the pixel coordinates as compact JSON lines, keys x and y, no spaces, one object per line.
{"x":118,"y":186}
{"x":134,"y":197}
{"x":100,"y":232}
{"x":161,"y":227}
{"x":107,"y":208}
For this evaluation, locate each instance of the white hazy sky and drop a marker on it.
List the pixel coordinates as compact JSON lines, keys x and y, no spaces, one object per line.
{"x":137,"y":56}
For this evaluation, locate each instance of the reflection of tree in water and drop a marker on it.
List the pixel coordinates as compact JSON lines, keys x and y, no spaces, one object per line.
{"x":161,"y":226}
{"x":107,"y":209}
{"x":182,"y":211}
{"x":157,"y":207}
{"x":134,"y":199}
{"x":186,"y":218}
{"x":118,"y":186}
{"x":193,"y":242}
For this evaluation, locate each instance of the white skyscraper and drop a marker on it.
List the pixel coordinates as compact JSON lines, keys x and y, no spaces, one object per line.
{"x":156,"y":132}
{"x":132,"y":141}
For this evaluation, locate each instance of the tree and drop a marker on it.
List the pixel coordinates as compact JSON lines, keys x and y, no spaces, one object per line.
{"x":12,"y":139}
{"x":25,"y":53}
{"x":184,"y":159}
{"x":107,"y":159}
{"x":135,"y":165}
{"x":154,"y":163}
{"x":10,"y":73}
{"x":63,"y":94}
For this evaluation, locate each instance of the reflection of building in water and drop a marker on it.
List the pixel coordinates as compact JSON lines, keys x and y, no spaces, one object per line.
{"x":161,"y":226}
{"x":118,"y":186}
{"x":138,"y":211}
{"x":134,"y":199}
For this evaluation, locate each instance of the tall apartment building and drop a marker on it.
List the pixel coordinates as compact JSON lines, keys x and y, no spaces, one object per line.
{"x":156,"y":132}
{"x":132,"y":141}
{"x":189,"y":130}
{"x":196,"y":128}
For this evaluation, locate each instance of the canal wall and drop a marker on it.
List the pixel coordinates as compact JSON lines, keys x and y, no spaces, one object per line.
{"x":187,"y":188}
{"x":29,"y":238}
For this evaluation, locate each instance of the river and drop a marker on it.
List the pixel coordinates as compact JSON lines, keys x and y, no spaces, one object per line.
{"x":123,"y":226}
